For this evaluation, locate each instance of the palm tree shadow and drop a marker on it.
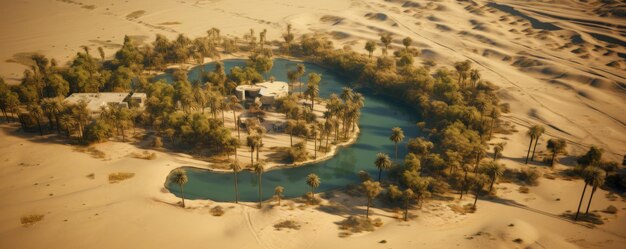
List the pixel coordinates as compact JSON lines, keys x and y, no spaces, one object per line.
{"x":590,"y":220}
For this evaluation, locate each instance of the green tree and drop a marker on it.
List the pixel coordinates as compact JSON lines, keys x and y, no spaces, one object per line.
{"x":477,"y":183}
{"x":278,"y":192}
{"x":370,"y":46}
{"x":382,"y":163}
{"x":556,"y":146}
{"x":493,"y":170}
{"x":591,"y":176}
{"x":235,"y":106}
{"x":259,"y":167}
{"x":397,"y":135}
{"x":313,"y":90}
{"x":596,"y":179}
{"x":386,"y":39}
{"x":407,"y":43}
{"x":372,"y":189}
{"x":497,"y":150}
{"x":36,"y":112}
{"x":313,"y":181}
{"x":407,"y":197}
{"x":538,"y":130}
{"x":179,"y":176}
{"x":236,"y":168}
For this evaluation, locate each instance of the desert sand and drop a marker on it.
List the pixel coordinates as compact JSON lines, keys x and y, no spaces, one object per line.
{"x":558,"y":63}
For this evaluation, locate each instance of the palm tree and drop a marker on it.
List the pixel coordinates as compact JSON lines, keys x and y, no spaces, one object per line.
{"x":386,"y":40}
{"x":586,"y":174}
{"x":478,"y":182}
{"x":278,"y":192}
{"x":372,"y":189}
{"x":407,"y":196}
{"x":300,"y":69}
{"x":596,"y":178}
{"x":252,"y":142}
{"x":556,"y":146}
{"x":36,"y":112}
{"x":179,"y":176}
{"x":397,"y":135}
{"x":539,"y":130}
{"x":313,"y":181}
{"x":259,"y":167}
{"x":474,"y":77}
{"x":370,"y":46}
{"x":532,"y":133}
{"x":290,"y":127}
{"x":493,"y":170}
{"x":382,"y":162}
{"x":407,"y":43}
{"x":315,"y":131}
{"x":313,"y":91}
{"x":236,"y":168}
{"x":497,"y":150}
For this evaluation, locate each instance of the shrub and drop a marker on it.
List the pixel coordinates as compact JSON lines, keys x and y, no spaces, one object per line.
{"x":157,"y":143}
{"x":120,"y":176}
{"x":146,"y":155}
{"x":611,"y":209}
{"x":28,"y":220}
{"x":289,"y":224}
{"x":297,"y":153}
{"x":97,"y":131}
{"x":358,"y":224}
{"x":217,"y":211}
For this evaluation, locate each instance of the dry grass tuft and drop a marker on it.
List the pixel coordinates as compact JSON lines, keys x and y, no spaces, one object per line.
{"x":120,"y":176}
{"x":146,"y":155}
{"x":357,"y":224}
{"x":28,"y":220}
{"x":288,"y":224}
{"x":217,"y":211}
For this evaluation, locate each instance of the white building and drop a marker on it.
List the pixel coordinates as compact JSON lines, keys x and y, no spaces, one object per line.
{"x":265,"y":92}
{"x":96,"y":101}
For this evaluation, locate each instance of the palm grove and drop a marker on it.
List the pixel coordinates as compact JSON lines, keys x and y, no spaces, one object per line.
{"x":460,"y":111}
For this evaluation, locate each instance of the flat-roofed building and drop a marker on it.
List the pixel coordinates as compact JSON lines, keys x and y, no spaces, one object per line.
{"x":265,"y":92}
{"x":95,"y":101}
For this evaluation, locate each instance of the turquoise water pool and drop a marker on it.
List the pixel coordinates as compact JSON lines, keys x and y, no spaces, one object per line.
{"x":378,"y":116}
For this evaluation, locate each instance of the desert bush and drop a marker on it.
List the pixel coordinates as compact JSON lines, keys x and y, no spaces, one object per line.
{"x":120,"y":176}
{"x":288,"y":224}
{"x":28,"y":220}
{"x":297,"y":153}
{"x":146,"y":155}
{"x":97,"y":131}
{"x":157,"y":142}
{"x":217,"y":211}
{"x":357,"y":224}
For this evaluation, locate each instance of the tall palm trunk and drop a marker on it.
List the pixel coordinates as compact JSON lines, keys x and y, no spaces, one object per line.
{"x":396,"y":146}
{"x":260,"y":192}
{"x":532,"y":158}
{"x":493,"y":180}
{"x":553,"y":158}
{"x":369,"y":203}
{"x":476,"y":198}
{"x":593,"y":191}
{"x":315,"y":146}
{"x":406,"y":210}
{"x":580,"y":202}
{"x":380,"y":172}
{"x":528,"y":153}
{"x":39,"y":125}
{"x":236,"y":188}
{"x":251,"y":155}
{"x":236,"y":125}
{"x":182,"y":194}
